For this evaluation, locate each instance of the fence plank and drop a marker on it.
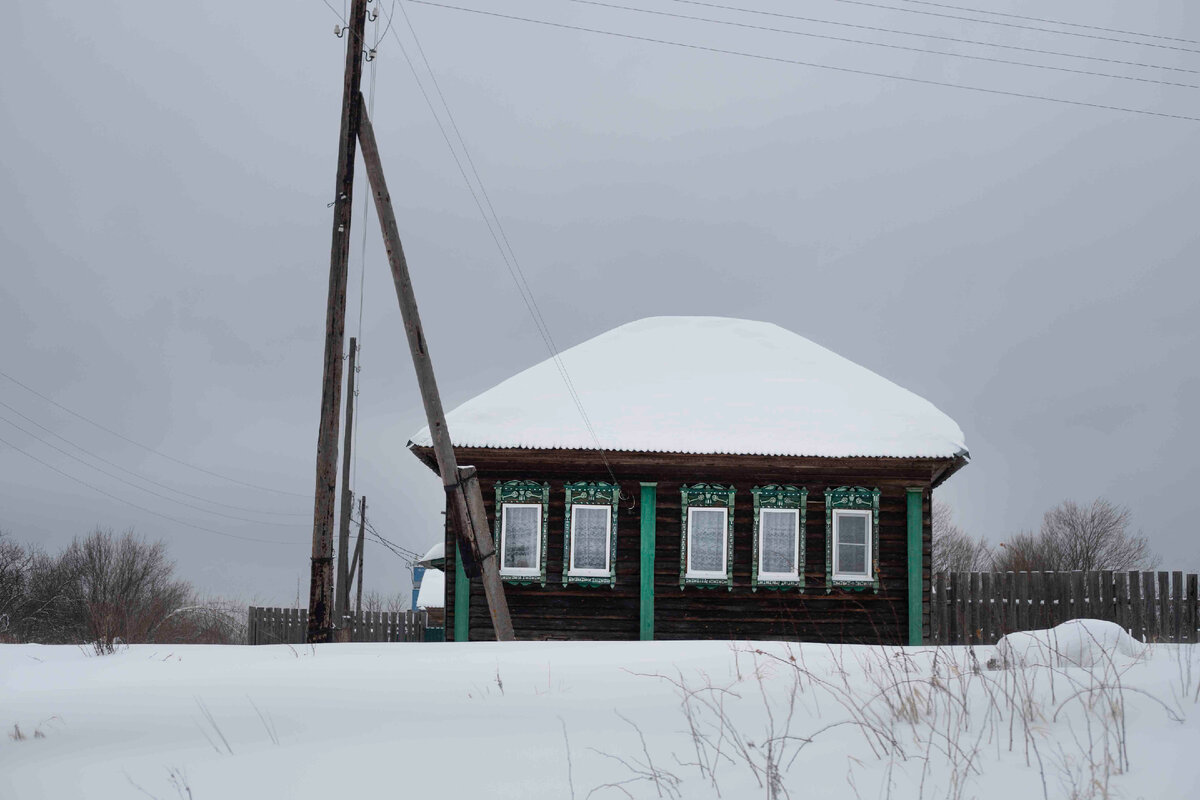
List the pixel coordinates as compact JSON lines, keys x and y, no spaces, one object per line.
{"x":1022,"y":583}
{"x":1164,"y":606}
{"x":1176,"y":626}
{"x":1191,"y":608}
{"x":1149,"y":608}
{"x":937,"y":603}
{"x":1121,"y":599}
{"x":1075,"y":606}
{"x":983,"y":613}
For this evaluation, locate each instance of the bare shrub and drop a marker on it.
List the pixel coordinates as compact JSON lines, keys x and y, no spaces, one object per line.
{"x":930,"y":714}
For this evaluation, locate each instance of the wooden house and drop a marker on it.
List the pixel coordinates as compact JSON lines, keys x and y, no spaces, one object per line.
{"x":702,"y":478}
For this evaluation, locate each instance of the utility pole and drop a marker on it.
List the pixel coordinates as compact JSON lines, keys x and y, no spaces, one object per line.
{"x":461,"y":485}
{"x":343,"y":578}
{"x":320,"y":593}
{"x":358,"y":549}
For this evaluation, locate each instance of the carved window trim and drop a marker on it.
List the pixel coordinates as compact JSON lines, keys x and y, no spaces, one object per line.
{"x":852,"y":498}
{"x":779,"y":498}
{"x":593,"y":494}
{"x":523,"y":493}
{"x":706,"y":495}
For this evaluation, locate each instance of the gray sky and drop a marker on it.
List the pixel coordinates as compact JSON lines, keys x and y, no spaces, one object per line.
{"x":1028,"y":266}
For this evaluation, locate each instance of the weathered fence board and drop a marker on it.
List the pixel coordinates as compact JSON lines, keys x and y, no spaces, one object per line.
{"x":290,"y":626}
{"x":979,"y":608}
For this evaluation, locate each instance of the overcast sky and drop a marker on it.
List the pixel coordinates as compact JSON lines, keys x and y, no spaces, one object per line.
{"x":165,"y":172}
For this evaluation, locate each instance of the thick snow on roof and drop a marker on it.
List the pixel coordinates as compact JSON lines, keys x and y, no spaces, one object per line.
{"x":433,"y":589}
{"x":435,"y":553}
{"x":705,"y":385}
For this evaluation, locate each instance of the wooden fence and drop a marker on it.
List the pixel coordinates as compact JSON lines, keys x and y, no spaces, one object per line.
{"x":980,"y":607}
{"x":290,"y":626}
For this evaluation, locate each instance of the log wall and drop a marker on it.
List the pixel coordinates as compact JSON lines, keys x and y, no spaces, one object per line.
{"x":814,"y":614}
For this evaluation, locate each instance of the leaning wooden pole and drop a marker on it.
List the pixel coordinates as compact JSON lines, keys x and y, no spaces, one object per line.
{"x":320,"y":588}
{"x":462,"y":489}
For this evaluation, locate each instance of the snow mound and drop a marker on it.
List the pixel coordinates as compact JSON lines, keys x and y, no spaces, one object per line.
{"x":705,"y":385}
{"x":1077,"y":643}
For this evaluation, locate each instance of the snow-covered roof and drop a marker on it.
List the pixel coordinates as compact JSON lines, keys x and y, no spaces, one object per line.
{"x":433,"y":589}
{"x":705,"y":385}
{"x":435,"y":553}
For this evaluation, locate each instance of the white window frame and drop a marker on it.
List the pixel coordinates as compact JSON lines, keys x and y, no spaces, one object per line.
{"x":523,"y":572}
{"x":723,"y":573}
{"x":866,"y":574}
{"x":592,"y":573}
{"x":763,"y":575}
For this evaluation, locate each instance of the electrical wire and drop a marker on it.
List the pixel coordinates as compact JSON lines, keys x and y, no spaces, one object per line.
{"x":1051,"y":21}
{"x":141,"y":488}
{"x":116,"y":466}
{"x":938,"y":37}
{"x":816,"y":65}
{"x":507,"y":254}
{"x":147,"y":448}
{"x":135,"y":505}
{"x":1014,"y":25}
{"x":1008,"y":62}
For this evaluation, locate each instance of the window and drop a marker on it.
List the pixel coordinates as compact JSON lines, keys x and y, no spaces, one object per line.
{"x":706,"y":557}
{"x":779,"y":516}
{"x":852,"y":538}
{"x":851,"y":544}
{"x":521,"y":530}
{"x":590,"y":534}
{"x":519,"y":539}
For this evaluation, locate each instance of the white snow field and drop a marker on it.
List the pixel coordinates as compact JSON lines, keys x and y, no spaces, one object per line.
{"x":485,"y":720}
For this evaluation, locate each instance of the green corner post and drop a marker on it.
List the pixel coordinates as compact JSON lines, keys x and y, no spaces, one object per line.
{"x":462,"y":599}
{"x":649,"y":504}
{"x":916,"y":494}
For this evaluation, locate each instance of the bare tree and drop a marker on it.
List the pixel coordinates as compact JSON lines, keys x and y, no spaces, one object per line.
{"x":375,"y":601}
{"x":953,"y":549}
{"x":14,"y":579}
{"x":1075,"y":537}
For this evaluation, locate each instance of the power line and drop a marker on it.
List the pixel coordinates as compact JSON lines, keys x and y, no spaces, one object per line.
{"x":127,"y":482}
{"x":797,"y":62}
{"x":882,"y":44}
{"x":1051,"y":21}
{"x":135,"y":505}
{"x":921,"y":35}
{"x":509,"y":256}
{"x":1014,"y":25}
{"x":158,"y":453}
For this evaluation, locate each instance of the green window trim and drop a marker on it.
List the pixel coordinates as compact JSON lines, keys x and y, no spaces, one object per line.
{"x":523,"y":492}
{"x":595,"y":493}
{"x":852,"y":498}
{"x":707,"y":495}
{"x":775,"y":496}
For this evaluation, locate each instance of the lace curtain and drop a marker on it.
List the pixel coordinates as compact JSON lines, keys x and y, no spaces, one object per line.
{"x":706,"y":540}
{"x":777,"y":542}
{"x":520,"y":537}
{"x":589,"y":537}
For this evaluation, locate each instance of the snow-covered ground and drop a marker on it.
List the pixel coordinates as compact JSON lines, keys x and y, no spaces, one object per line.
{"x":573,"y":720}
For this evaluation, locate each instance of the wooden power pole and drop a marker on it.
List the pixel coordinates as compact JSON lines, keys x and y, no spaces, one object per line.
{"x":461,"y":486}
{"x":342,"y":601}
{"x":320,"y":593}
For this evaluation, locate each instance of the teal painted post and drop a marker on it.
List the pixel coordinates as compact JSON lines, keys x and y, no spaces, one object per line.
{"x":649,"y":512}
{"x":915,"y":567}
{"x":462,"y":599}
